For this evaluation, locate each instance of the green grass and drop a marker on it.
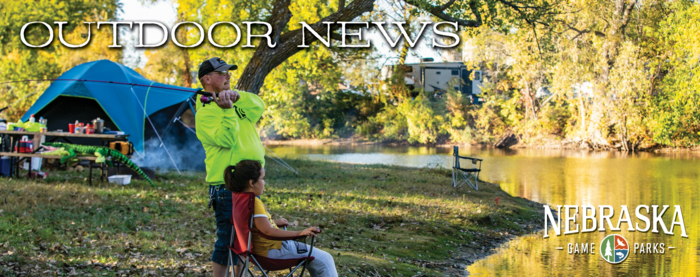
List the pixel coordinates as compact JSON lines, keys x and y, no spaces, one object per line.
{"x":376,"y":219}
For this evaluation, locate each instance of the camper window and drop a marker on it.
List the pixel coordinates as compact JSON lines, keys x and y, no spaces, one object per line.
{"x":437,"y":72}
{"x":455,"y":72}
{"x":477,"y":75}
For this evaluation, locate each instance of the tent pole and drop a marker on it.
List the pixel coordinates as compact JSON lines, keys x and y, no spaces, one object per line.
{"x":156,"y":131}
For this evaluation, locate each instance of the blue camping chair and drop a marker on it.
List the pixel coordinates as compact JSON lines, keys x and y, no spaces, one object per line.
{"x":463,"y":175}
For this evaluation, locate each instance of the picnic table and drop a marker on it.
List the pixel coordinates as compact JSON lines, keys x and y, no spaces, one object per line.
{"x":16,"y":158}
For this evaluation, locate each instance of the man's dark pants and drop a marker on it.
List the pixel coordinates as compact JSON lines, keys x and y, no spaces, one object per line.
{"x":222,"y":203}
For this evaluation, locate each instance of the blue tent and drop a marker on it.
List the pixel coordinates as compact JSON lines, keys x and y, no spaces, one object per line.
{"x":123,"y":105}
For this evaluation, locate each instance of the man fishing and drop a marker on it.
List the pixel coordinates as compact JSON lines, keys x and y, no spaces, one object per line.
{"x":227,"y":132}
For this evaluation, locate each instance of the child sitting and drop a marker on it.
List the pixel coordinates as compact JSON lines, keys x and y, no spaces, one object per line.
{"x":249,"y":176}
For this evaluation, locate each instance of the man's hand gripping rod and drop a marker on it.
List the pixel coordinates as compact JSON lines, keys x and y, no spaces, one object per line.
{"x":206,"y":97}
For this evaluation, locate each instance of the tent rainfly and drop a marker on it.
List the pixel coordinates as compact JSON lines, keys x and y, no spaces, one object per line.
{"x":124,"y":107}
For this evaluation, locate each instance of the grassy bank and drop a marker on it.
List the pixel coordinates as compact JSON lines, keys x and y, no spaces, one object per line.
{"x":377,"y":220}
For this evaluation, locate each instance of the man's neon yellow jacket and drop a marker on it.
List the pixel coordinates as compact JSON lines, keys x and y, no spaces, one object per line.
{"x":229,"y":135}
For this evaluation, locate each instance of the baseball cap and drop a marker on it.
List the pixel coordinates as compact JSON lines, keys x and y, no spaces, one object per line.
{"x":214,"y":64}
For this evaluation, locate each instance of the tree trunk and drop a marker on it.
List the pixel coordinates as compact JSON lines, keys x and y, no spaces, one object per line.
{"x":582,"y":111}
{"x":613,"y":41}
{"x":404,"y":53}
{"x":186,"y":74}
{"x":265,"y":59}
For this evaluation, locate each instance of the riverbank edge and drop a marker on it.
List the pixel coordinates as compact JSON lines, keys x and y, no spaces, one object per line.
{"x":490,"y":244}
{"x":543,"y":144}
{"x":484,"y":241}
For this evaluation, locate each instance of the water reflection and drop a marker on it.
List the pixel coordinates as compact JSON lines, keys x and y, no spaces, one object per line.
{"x":567,"y":177}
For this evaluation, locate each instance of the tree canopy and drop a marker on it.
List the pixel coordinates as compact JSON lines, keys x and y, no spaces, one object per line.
{"x":24,"y":63}
{"x":601,"y":74}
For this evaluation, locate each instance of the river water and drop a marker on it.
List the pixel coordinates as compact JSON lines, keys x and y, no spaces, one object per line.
{"x":568,"y":177}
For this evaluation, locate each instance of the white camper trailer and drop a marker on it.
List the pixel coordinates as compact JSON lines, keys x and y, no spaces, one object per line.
{"x":436,"y":76}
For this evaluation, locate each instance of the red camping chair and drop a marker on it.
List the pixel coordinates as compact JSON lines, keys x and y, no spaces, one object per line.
{"x":241,"y":240}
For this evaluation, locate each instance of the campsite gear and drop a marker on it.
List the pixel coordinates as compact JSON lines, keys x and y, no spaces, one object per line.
{"x":89,"y":129}
{"x":43,"y":130}
{"x":12,"y":126}
{"x":71,"y":128}
{"x":122,"y":170}
{"x":6,"y":145}
{"x":5,"y":166}
{"x":29,"y":147}
{"x":3,"y":125}
{"x":98,"y":125}
{"x":241,"y":240}
{"x":102,"y":153}
{"x":43,"y":121}
{"x":25,"y":145}
{"x":119,"y":179}
{"x":31,"y":119}
{"x":462,"y":175}
{"x":123,"y":147}
{"x":124,"y":99}
{"x":36,"y":164}
{"x":21,"y":126}
{"x":22,"y":147}
{"x":39,"y":175}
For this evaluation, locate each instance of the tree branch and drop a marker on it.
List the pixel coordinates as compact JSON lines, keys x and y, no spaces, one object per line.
{"x":265,"y":59}
{"x":578,"y":31}
{"x":336,"y":36}
{"x":438,"y":12}
{"x":341,"y":4}
{"x":447,"y":5}
{"x":279,"y":19}
{"x":516,"y":7}
{"x":356,"y":8}
{"x":626,"y":14}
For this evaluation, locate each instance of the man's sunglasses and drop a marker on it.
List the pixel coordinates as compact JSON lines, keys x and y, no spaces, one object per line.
{"x":222,"y":73}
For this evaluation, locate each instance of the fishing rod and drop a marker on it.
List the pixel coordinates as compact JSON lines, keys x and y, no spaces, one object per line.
{"x":206,"y":97}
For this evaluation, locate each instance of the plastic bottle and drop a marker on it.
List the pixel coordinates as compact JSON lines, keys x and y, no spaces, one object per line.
{"x":31,"y":119}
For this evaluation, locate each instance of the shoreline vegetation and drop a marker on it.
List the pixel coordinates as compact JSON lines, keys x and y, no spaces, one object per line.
{"x":543,"y":144}
{"x":376,"y":220}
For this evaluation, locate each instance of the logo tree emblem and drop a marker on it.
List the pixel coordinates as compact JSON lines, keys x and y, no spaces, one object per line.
{"x":614,"y":249}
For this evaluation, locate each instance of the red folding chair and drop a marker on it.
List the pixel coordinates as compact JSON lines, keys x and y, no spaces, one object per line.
{"x":241,"y":240}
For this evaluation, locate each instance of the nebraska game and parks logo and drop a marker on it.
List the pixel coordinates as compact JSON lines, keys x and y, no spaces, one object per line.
{"x":614,"y":249}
